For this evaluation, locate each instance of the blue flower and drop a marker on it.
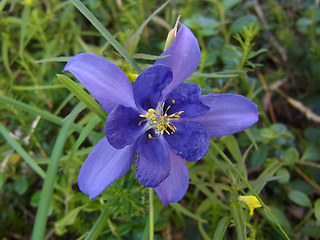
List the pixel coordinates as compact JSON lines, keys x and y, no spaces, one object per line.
{"x":165,"y":120}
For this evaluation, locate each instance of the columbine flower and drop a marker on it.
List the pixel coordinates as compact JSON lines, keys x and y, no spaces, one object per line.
{"x":166,"y":121}
{"x":251,"y":201}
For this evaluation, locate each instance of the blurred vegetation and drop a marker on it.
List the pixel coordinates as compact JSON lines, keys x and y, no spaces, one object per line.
{"x":270,"y":48}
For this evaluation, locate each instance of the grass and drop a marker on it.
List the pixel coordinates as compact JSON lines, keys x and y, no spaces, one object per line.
{"x":266,"y":50}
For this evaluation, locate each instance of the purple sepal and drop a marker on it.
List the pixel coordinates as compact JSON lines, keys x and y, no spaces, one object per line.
{"x":228,"y":114}
{"x":105,"y":81}
{"x":176,"y":184}
{"x":184,"y":57}
{"x":103,"y":166}
{"x":153,"y":164}
{"x":190,"y":140}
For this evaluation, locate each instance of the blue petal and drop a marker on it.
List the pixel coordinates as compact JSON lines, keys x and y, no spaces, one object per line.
{"x":149,"y":84}
{"x":153,"y":164}
{"x":190,"y":140}
{"x":186,"y":98}
{"x":123,"y":126}
{"x":184,"y":57}
{"x":103,"y":166}
{"x":176,"y":184}
{"x":105,"y":81}
{"x":228,"y":114}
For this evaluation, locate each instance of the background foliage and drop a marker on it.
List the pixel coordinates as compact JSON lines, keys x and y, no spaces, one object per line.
{"x":266,"y":50}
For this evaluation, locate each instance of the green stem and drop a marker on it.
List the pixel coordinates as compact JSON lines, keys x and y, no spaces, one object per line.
{"x":151,"y":214}
{"x":228,"y":161}
{"x":100,"y":223}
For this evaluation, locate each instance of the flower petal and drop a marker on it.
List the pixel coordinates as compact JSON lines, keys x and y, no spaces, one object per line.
{"x":105,"y":81}
{"x":149,"y":84}
{"x":103,"y":166}
{"x":190,"y":140}
{"x":176,"y":184}
{"x":186,"y":98}
{"x":153,"y":164}
{"x":123,"y":126}
{"x":184,"y":57}
{"x":228,"y":114}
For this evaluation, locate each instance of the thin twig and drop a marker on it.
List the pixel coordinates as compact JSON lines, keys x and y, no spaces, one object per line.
{"x":299,"y":106}
{"x":268,"y":96}
{"x":308,"y":180}
{"x":271,"y":38}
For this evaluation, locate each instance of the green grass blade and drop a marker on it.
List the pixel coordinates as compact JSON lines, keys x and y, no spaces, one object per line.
{"x":17,"y":147}
{"x":83,"y":96}
{"x":46,"y":193}
{"x":36,"y":87}
{"x":3,"y":3}
{"x":178,"y":207}
{"x":105,"y":33}
{"x":221,"y":228}
{"x":215,"y":75}
{"x":136,"y":36}
{"x":100,"y":223}
{"x":35,"y":111}
{"x":53,"y":59}
{"x":23,"y":27}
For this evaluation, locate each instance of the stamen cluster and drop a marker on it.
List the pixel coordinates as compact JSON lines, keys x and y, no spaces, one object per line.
{"x":160,"y":121}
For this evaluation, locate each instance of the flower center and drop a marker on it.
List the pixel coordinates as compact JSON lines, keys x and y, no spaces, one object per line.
{"x":160,"y":121}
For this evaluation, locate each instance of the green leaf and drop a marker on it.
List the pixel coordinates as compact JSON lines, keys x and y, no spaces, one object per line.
{"x":68,"y":219}
{"x":221,"y":228}
{"x":299,"y":198}
{"x":228,"y":4}
{"x":311,"y":154}
{"x":284,"y":174}
{"x":280,"y":216}
{"x":317,"y":209}
{"x":3,"y":178}
{"x":233,"y":147}
{"x":238,"y":24}
{"x":258,"y":157}
{"x":236,"y":213}
{"x":82,"y":96}
{"x":20,"y":185}
{"x":291,"y":156}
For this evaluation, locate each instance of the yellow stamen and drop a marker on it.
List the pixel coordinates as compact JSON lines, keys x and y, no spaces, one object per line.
{"x":160,"y":121}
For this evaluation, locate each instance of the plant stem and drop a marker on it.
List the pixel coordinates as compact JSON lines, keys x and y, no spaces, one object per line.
{"x":228,"y":161}
{"x":151,"y":214}
{"x":100,"y":223}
